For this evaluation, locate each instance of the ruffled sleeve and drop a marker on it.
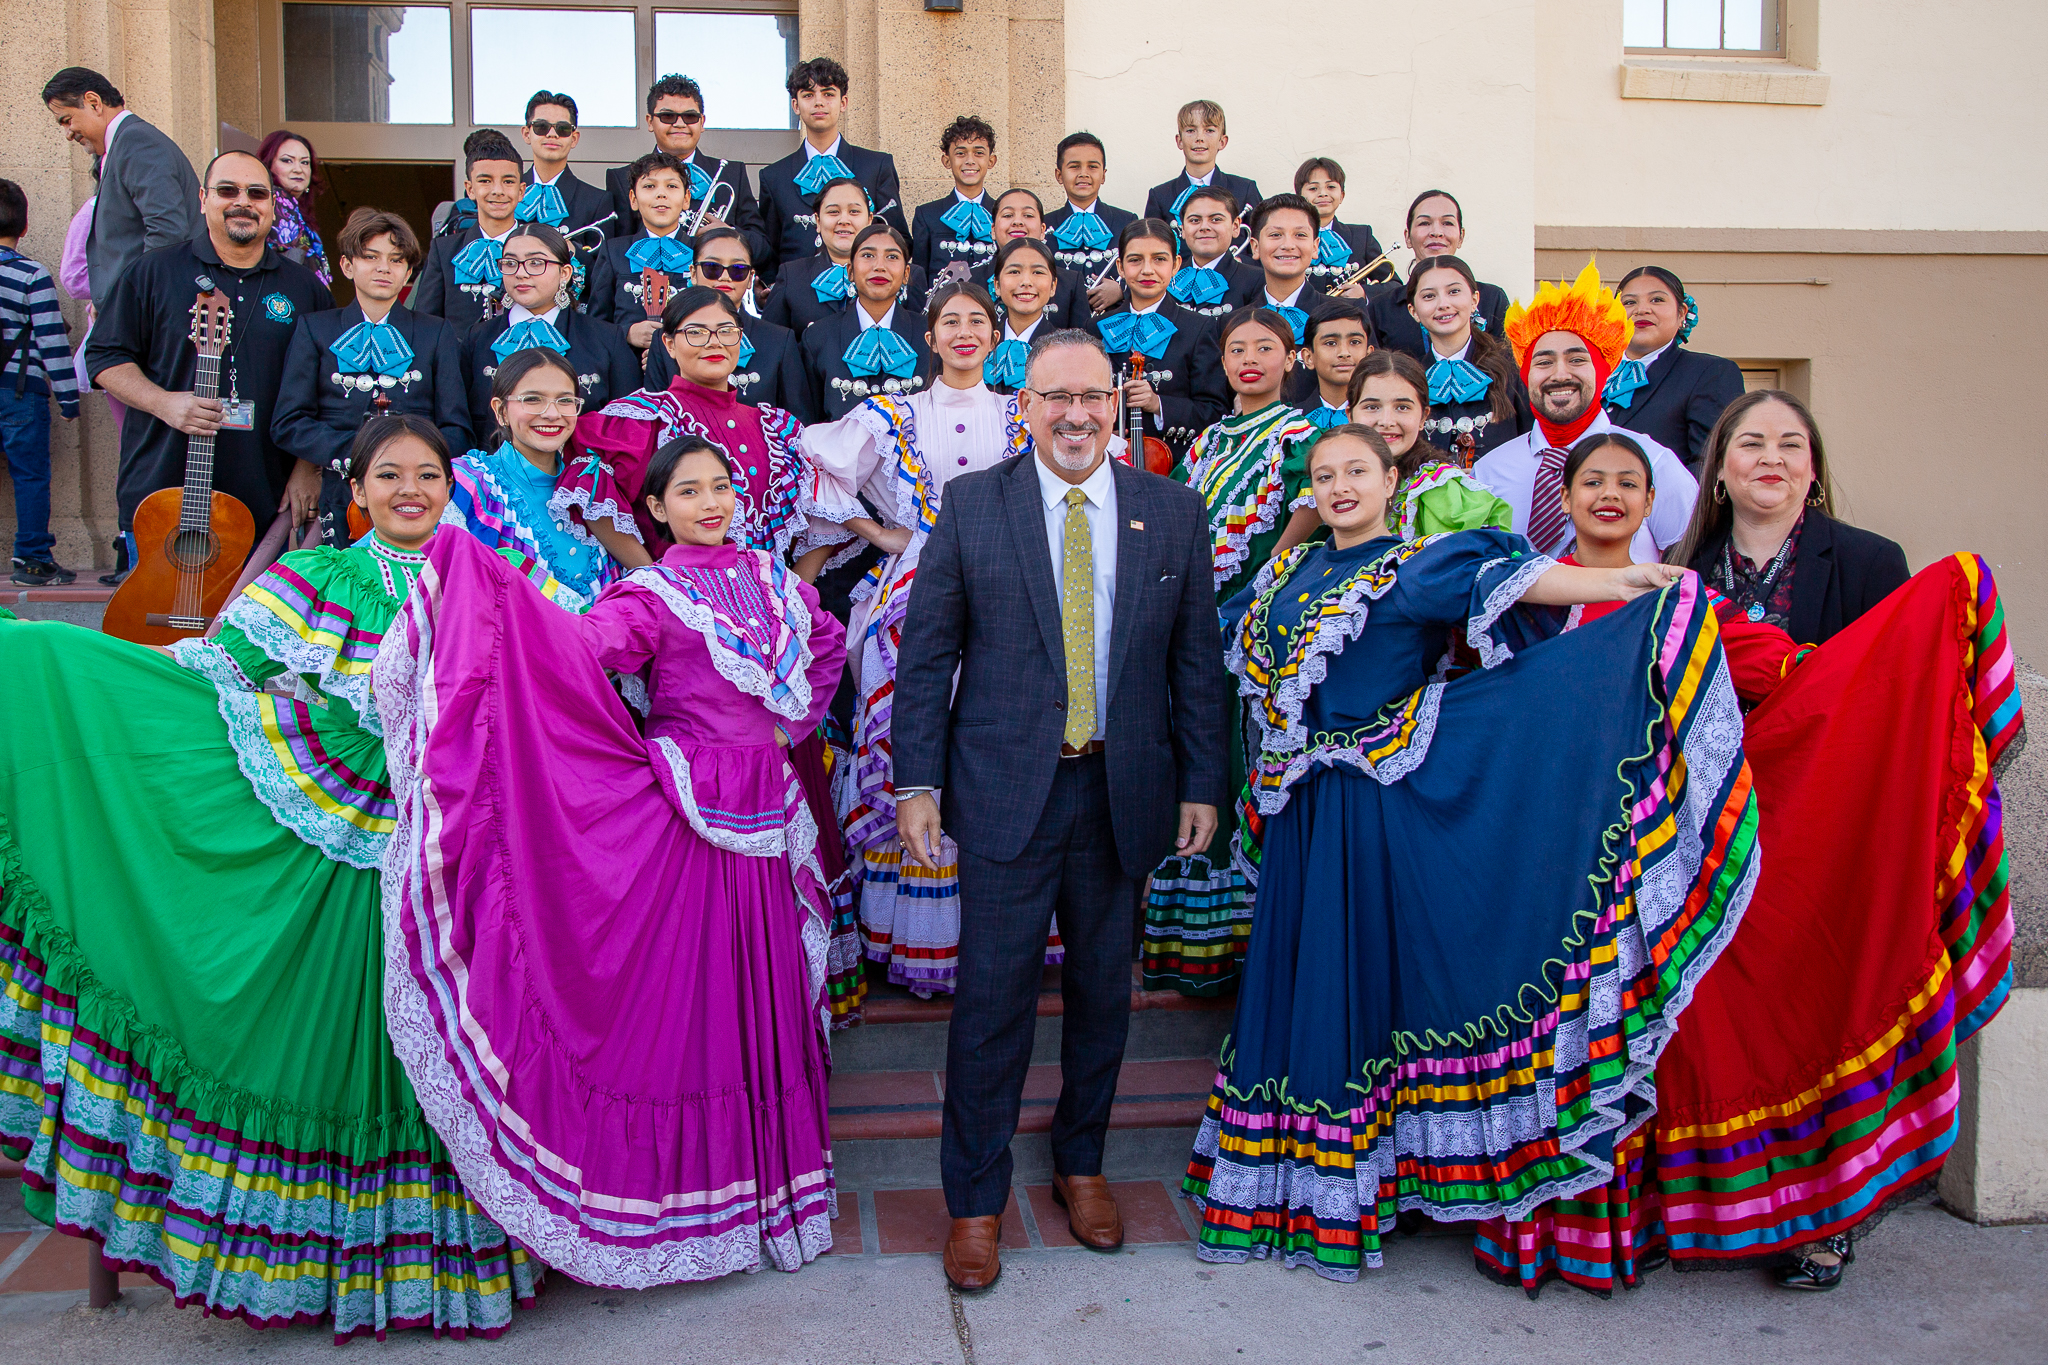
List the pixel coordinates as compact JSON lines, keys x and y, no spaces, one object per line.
{"x":844,"y":458}
{"x":1474,"y":580}
{"x":1294,"y":486}
{"x":623,"y":628}
{"x":589,"y":492}
{"x":1443,"y":498}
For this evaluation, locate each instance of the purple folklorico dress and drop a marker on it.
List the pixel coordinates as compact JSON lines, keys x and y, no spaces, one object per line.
{"x":605,"y":954}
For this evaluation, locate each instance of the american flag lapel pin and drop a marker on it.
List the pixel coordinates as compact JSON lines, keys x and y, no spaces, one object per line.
{"x":1137,"y":526}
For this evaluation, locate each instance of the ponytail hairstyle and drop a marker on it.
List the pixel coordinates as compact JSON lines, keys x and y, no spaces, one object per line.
{"x":1416,"y":203}
{"x":516,"y":367}
{"x":1409,"y":371}
{"x":1492,"y":355}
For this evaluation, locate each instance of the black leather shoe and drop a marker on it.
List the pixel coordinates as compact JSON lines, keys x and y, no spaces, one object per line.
{"x":1812,"y":1276}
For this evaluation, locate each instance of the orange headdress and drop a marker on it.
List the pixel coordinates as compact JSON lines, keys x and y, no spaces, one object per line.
{"x":1588,"y":309}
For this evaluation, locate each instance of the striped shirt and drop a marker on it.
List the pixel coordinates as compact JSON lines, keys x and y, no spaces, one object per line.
{"x":29,"y":318}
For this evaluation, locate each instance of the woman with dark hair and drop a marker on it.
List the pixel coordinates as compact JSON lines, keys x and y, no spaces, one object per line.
{"x":1434,"y":493}
{"x":1024,"y":278}
{"x":1248,"y":468}
{"x":606,"y":976}
{"x":1435,"y":226}
{"x":769,"y":370}
{"x":1475,"y":390}
{"x":539,"y":277}
{"x":1814,"y":1084}
{"x":816,"y":287}
{"x":896,"y":454}
{"x":295,"y":171}
{"x":1341,"y":248}
{"x":190,"y":911}
{"x":1764,"y":532}
{"x":530,"y":493}
{"x":1670,"y":394}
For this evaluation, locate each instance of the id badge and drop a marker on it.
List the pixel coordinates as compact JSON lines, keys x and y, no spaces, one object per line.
{"x":238,"y":416}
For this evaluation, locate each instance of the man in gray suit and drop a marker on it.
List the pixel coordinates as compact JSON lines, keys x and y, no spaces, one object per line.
{"x":148,"y":195}
{"x":1073,"y":595}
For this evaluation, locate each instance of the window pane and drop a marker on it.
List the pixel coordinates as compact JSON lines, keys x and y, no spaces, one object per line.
{"x":1693,"y":23}
{"x":740,"y":61}
{"x":1751,"y":26}
{"x":1642,"y":23}
{"x":586,"y":54}
{"x":367,"y":64}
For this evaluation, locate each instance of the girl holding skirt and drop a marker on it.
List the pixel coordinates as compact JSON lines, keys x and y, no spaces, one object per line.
{"x":193,"y":1060}
{"x":605,"y":952}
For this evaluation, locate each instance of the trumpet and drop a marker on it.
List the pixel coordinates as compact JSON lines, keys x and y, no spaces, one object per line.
{"x":1358,"y":275}
{"x":594,"y":231}
{"x":704,"y":210}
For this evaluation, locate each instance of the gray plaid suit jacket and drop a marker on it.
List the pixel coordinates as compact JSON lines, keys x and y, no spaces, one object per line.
{"x":986,"y":601}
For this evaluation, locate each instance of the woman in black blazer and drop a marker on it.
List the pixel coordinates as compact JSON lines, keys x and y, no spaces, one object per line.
{"x":1669,"y":394}
{"x":1764,"y":533}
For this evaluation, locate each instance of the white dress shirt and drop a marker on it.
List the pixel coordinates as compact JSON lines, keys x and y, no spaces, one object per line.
{"x":519,"y":313}
{"x":861,"y":314}
{"x":1291,"y":301}
{"x":812,"y":153}
{"x":1100,"y":512}
{"x":1509,"y":469}
{"x":1012,"y":334}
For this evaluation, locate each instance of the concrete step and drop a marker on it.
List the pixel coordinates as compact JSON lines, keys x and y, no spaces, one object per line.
{"x":83,"y":603}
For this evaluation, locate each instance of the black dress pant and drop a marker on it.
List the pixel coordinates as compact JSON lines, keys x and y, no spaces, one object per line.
{"x":1070,"y":866}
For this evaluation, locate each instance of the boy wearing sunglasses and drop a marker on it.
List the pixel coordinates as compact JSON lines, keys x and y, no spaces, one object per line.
{"x":770,"y":372}
{"x":554,"y":195}
{"x":675,"y":115}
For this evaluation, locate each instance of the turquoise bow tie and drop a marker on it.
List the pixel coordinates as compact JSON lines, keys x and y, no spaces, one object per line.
{"x":1326,"y":416}
{"x":746,"y":348}
{"x":1296,"y":318}
{"x":1198,"y":287}
{"x":833,"y":286}
{"x":1457,"y":381}
{"x":477,"y":263}
{"x":1182,"y":198}
{"x":1147,"y":334}
{"x":879,"y":350}
{"x":524,"y":336}
{"x":1082,"y":231}
{"x":1628,"y":376}
{"x":1332,"y":250}
{"x":700,"y":183}
{"x":670,"y":254}
{"x":542,"y":204}
{"x":372,"y":348}
{"x":1005,"y":365}
{"x":970,"y":221}
{"x":821,"y":169}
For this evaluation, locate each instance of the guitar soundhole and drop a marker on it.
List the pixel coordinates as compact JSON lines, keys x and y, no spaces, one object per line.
{"x":192,"y":551}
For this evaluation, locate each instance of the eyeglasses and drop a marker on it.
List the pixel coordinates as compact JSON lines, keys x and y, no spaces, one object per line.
{"x":669,"y":118}
{"x":526,"y":265}
{"x":719,"y":270}
{"x":255,"y":194}
{"x":540,"y":127}
{"x":534,"y":404}
{"x":697,"y":334}
{"x":1059,"y":400}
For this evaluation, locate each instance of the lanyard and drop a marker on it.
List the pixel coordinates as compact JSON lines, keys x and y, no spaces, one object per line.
{"x":1760,"y":592}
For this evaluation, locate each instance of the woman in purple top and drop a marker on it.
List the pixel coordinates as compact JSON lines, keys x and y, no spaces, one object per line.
{"x":605,"y":953}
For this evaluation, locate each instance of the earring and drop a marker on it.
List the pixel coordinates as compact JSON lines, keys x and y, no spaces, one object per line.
{"x":1814,"y":498}
{"x":1720,"y":491}
{"x":562,"y":296}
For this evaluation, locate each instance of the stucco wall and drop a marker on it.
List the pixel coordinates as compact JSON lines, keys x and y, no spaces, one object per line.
{"x":1405,"y":98}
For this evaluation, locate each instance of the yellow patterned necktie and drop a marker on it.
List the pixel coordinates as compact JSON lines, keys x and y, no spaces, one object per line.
{"x":1077,"y":621}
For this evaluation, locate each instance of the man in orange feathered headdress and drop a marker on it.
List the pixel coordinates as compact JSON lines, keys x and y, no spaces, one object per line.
{"x":1567,"y":341}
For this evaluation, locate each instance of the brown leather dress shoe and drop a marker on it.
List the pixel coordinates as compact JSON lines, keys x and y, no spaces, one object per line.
{"x":1091,"y":1210}
{"x":971,"y":1258}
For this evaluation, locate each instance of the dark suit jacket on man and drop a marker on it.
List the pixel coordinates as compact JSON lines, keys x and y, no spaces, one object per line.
{"x":987,"y":604}
{"x":148,"y":197}
{"x":1839,"y":572}
{"x":1683,"y":400}
{"x":790,"y":215}
{"x":744,"y":218}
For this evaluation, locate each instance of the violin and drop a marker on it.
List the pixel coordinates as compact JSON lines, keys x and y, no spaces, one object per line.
{"x":1147,"y":452}
{"x":189,"y":542}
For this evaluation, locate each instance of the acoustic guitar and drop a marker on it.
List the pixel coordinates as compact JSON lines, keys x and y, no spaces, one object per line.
{"x":189,"y":542}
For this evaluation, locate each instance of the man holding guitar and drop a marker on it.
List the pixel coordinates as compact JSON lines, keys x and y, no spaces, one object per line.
{"x":142,"y":352}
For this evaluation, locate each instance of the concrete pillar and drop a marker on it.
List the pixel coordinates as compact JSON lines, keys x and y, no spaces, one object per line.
{"x":159,"y":54}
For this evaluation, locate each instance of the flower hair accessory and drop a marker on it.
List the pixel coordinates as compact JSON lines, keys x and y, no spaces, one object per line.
{"x":1692,"y":319}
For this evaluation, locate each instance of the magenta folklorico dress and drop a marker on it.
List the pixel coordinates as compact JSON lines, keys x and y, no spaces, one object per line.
{"x":605,"y":953}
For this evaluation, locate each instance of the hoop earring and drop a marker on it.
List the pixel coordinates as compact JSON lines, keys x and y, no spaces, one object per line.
{"x":1720,"y":492}
{"x":1814,"y":497}
{"x":562,"y":296}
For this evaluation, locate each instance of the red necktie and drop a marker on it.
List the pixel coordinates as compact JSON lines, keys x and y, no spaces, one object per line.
{"x":1547,"y":520}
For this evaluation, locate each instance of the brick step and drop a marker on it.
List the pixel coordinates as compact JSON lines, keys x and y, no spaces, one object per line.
{"x":874,"y":1105}
{"x":14,"y":595}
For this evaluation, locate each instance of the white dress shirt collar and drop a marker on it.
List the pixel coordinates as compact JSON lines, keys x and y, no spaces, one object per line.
{"x":812,"y":153}
{"x":1012,"y":334}
{"x":1651,"y":358}
{"x":1098,"y":486}
{"x":867,"y":322}
{"x":1290,"y":300}
{"x":557,"y":177}
{"x":1458,"y":354}
{"x":114,"y":126}
{"x":520,"y":313}
{"x":1200,"y":181}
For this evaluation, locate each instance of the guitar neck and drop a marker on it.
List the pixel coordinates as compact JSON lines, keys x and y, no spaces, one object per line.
{"x":197,"y":511}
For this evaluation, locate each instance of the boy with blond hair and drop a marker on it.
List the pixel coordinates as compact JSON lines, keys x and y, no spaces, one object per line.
{"x":1202,"y":137}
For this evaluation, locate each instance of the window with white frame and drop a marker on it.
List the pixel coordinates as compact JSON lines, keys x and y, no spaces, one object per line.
{"x":1736,"y":28}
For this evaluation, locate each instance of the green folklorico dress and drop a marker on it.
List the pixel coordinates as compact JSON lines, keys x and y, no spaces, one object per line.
{"x":193,"y":1062}
{"x":1252,"y":470}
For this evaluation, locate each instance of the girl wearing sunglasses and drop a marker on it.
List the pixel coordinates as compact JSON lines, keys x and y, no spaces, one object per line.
{"x":770,"y":369}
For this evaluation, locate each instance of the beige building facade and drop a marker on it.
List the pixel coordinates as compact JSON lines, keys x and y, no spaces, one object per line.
{"x":1855,"y":199}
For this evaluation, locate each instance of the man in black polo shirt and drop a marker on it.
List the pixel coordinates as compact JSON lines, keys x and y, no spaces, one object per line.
{"x":141,"y":352}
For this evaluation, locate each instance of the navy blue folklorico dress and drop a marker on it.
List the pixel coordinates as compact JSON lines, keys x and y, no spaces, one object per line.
{"x":1459,"y":980}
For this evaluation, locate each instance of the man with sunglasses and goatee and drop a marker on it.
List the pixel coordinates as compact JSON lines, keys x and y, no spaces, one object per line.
{"x":553,"y":193}
{"x":675,"y":115}
{"x":141,"y":352}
